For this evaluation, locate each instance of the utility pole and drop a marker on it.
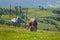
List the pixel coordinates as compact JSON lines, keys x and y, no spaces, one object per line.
{"x":10,"y":13}
{"x":16,"y":9}
{"x":26,"y":17}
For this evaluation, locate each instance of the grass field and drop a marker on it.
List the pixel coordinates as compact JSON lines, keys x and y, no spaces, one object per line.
{"x":15,"y":33}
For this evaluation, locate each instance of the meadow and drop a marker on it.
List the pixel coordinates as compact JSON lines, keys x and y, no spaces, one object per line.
{"x":15,"y":33}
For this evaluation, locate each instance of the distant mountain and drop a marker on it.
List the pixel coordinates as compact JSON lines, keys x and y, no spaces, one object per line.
{"x":30,"y":3}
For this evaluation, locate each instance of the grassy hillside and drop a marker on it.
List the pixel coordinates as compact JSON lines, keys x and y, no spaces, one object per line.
{"x":15,"y":33}
{"x":46,"y":18}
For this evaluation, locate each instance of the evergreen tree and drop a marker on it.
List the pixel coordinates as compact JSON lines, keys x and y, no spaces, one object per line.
{"x":16,"y":9}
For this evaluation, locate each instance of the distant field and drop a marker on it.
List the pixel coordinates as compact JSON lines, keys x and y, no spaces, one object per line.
{"x":15,"y":33}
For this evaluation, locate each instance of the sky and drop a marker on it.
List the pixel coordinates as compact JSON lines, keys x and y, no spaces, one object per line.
{"x":30,"y":3}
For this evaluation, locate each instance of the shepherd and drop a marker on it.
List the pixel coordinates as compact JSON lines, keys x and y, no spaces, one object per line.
{"x":32,"y":24}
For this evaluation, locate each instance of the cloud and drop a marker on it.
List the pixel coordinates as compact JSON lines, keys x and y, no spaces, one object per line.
{"x":57,"y":5}
{"x":51,"y":6}
{"x":30,"y":3}
{"x":58,"y":1}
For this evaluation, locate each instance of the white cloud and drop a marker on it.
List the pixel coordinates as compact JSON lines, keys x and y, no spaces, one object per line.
{"x":58,"y":1}
{"x":52,"y":6}
{"x":57,"y":5}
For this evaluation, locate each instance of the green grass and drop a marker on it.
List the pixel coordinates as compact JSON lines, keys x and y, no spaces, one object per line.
{"x":6,"y":17}
{"x":42,"y":26}
{"x":39,"y":13}
{"x":15,"y":33}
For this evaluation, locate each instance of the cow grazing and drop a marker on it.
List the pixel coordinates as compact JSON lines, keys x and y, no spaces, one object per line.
{"x":32,"y":24}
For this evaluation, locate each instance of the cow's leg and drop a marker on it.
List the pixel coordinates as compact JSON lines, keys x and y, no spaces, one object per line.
{"x":28,"y":26}
{"x":35,"y":28}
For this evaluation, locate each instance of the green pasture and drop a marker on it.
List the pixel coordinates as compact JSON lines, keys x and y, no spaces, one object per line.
{"x":15,"y":33}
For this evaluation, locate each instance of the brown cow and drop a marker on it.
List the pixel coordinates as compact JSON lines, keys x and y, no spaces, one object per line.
{"x":32,"y":24}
